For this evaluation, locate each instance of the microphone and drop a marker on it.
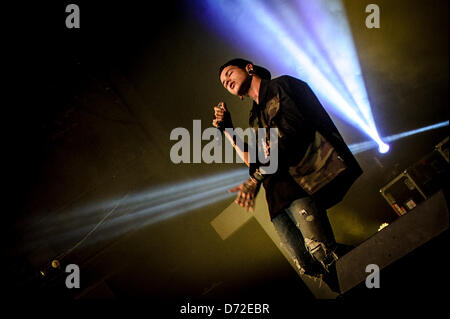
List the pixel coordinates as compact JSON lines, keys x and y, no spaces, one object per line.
{"x":220,"y":125}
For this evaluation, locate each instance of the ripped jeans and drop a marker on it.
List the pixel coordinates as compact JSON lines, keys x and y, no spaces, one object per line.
{"x":305,"y":232}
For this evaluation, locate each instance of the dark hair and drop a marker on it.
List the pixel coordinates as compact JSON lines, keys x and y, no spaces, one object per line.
{"x":242,"y":63}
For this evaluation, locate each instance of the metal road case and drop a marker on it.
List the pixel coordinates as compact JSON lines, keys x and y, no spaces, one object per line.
{"x":430,"y":173}
{"x":419,"y":181}
{"x":403,"y":194}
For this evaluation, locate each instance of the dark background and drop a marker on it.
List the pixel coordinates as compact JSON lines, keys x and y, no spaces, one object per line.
{"x":89,"y":118}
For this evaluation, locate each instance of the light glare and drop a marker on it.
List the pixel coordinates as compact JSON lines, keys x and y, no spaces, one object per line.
{"x":383,"y":148}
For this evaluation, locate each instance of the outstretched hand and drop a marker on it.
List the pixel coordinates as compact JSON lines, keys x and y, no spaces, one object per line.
{"x":247,"y":192}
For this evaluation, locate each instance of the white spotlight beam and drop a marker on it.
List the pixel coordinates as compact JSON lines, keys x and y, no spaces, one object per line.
{"x":134,"y":211}
{"x":367,"y":145}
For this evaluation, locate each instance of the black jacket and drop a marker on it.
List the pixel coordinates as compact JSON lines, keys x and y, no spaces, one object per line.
{"x":313,"y":159}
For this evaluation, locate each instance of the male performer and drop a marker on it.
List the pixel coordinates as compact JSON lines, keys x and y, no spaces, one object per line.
{"x":315,"y":166}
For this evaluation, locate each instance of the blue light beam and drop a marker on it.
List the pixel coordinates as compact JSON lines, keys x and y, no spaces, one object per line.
{"x":367,"y":145}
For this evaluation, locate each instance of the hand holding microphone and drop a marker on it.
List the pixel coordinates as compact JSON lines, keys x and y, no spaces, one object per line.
{"x":222,"y":117}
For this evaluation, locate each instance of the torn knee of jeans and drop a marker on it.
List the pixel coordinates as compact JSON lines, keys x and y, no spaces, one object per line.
{"x":303,"y":212}
{"x":308,"y":217}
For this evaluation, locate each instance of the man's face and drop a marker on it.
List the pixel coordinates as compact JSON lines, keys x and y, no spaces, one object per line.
{"x":235,"y":80}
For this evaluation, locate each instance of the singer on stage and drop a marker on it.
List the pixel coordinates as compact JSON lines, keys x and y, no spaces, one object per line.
{"x":315,"y":166}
